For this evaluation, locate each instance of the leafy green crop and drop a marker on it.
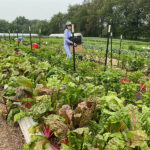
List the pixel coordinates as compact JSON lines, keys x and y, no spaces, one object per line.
{"x":85,"y":110}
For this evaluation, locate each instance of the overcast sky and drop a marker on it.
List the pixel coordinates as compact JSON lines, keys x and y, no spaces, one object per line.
{"x":33,"y":9}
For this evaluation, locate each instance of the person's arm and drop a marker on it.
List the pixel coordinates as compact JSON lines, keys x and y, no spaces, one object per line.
{"x":66,"y":37}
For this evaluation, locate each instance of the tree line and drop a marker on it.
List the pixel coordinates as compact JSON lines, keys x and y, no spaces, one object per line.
{"x":128,"y":17}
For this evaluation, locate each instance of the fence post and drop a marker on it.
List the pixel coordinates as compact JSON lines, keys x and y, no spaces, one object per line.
{"x":39,"y":38}
{"x":108,"y":35}
{"x":120,"y":50}
{"x":74,"y":59}
{"x":30,"y":37}
{"x":111,"y":48}
{"x":17,"y":38}
{"x":9,"y":37}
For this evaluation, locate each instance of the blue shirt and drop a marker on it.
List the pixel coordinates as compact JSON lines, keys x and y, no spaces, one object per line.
{"x":20,"y":38}
{"x":67,"y":35}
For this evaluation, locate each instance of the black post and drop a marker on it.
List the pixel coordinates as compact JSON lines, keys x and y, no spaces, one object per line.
{"x":9,"y":37}
{"x":120,"y":50}
{"x":4,"y":37}
{"x":111,"y":49}
{"x":135,"y":54}
{"x":17,"y":38}
{"x":30,"y":37}
{"x":14,"y":36}
{"x":108,"y":35}
{"x":39,"y":38}
{"x":74,"y":59}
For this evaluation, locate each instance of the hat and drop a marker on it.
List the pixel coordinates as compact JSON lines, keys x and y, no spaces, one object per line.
{"x":68,"y":23}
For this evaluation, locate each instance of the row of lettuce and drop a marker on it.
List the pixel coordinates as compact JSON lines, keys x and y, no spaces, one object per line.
{"x":89,"y":109}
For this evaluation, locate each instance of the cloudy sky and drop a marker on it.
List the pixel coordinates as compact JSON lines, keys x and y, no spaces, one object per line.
{"x":33,"y":9}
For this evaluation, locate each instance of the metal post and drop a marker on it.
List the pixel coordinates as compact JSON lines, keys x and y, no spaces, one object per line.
{"x":17,"y":38}
{"x":39,"y":38}
{"x":111,"y":49}
{"x":30,"y":37}
{"x":108,"y":35}
{"x":4,"y":37}
{"x":13,"y":36}
{"x":74,"y":65}
{"x":9,"y":37}
{"x":120,"y":50}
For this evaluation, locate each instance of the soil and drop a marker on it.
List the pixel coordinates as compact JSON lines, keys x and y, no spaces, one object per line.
{"x":11,"y":137}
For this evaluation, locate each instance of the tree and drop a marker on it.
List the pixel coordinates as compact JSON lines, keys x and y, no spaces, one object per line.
{"x":57,"y":23}
{"x":4,"y":26}
{"x":22,"y":24}
{"x":128,"y":17}
{"x":45,"y":29}
{"x":78,"y":14}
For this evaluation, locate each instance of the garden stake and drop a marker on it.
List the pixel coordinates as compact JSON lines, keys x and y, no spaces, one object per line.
{"x":4,"y":37}
{"x":120,"y":49}
{"x":135,"y":55}
{"x":17,"y":38}
{"x":111,"y":48}
{"x":13,"y":37}
{"x":39,"y":38}
{"x":9,"y":37}
{"x":30,"y":37}
{"x":74,"y":65}
{"x":108,"y":35}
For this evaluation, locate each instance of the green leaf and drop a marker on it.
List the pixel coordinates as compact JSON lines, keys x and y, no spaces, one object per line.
{"x":12,"y":114}
{"x":39,"y":109}
{"x":24,"y":82}
{"x":35,"y":129}
{"x":64,"y":147}
{"x":57,"y":125}
{"x":37,"y":142}
{"x":20,"y":115}
{"x":80,"y":139}
{"x":137,"y":138}
{"x":115,"y":144}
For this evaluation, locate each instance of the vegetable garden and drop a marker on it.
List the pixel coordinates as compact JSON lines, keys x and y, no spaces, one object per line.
{"x":91,"y":109}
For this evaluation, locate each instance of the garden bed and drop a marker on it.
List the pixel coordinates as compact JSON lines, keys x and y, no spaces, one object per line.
{"x":11,"y":137}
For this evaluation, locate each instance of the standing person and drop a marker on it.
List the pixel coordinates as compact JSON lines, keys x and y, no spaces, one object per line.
{"x":67,"y":42}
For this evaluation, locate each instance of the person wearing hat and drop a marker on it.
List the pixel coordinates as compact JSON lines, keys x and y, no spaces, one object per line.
{"x":67,"y":42}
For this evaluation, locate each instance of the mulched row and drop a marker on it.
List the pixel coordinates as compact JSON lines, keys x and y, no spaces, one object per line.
{"x":11,"y":137}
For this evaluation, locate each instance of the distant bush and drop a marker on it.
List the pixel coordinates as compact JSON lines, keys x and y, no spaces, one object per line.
{"x":131,"y":47}
{"x":136,"y":64}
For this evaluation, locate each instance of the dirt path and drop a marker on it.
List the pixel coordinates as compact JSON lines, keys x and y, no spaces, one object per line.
{"x":11,"y":137}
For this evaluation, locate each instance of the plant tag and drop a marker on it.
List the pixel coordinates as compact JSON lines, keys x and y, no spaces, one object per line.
{"x":5,"y":86}
{"x":121,"y":36}
{"x":29,"y":28}
{"x":109,"y":28}
{"x":111,"y":34}
{"x":72,"y":28}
